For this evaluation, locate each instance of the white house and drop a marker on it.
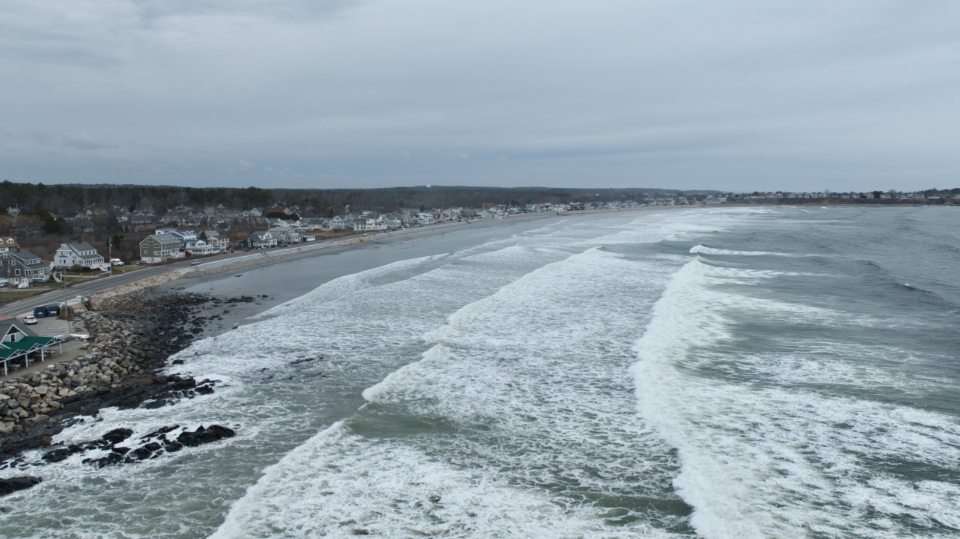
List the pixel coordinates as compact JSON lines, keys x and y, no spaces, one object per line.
{"x":201,"y":247}
{"x":214,"y":237}
{"x":425,"y":219}
{"x":337,"y":223}
{"x":77,"y":254}
{"x":284,"y":234}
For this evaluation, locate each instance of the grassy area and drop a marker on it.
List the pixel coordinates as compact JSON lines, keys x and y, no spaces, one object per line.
{"x":126,"y":269}
{"x":9,"y":296}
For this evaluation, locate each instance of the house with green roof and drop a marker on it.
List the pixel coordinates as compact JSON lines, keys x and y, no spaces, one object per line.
{"x":259,"y":240}
{"x":19,"y":345}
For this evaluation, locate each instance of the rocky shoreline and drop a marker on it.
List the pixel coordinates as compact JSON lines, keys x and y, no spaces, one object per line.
{"x":132,"y":337}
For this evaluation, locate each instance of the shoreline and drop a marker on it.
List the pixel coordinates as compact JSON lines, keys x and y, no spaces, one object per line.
{"x":125,"y":359}
{"x":130,"y":318}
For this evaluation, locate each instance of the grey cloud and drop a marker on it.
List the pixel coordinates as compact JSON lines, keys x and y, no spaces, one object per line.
{"x":724,"y":95}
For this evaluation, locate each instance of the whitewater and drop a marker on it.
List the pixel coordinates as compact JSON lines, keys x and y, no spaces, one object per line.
{"x":718,"y":373}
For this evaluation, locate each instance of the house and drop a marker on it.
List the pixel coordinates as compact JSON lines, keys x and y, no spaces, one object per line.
{"x":19,"y":344}
{"x":284,"y":234}
{"x":259,"y":240}
{"x":159,"y":247}
{"x":201,"y":247}
{"x":186,"y":237}
{"x":214,"y":237}
{"x":425,"y":219}
{"x":8,"y":244}
{"x":77,"y":254}
{"x":337,"y":223}
{"x":313,"y":223}
{"x":23,"y":266}
{"x":141,"y":218}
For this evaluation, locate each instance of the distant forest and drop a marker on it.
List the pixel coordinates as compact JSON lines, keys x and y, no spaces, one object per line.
{"x":60,"y":199}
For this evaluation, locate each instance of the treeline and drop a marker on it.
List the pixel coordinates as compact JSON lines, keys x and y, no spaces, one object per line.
{"x":61,"y":199}
{"x":65,"y":198}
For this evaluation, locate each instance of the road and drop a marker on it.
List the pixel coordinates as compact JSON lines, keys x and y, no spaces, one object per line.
{"x":106,"y":283}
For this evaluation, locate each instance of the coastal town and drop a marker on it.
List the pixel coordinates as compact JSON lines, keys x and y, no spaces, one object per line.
{"x":100,"y":237}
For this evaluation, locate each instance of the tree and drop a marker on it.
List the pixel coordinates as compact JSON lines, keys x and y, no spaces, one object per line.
{"x":203,"y":236}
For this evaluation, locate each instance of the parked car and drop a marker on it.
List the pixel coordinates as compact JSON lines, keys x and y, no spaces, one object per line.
{"x":30,"y":320}
{"x":116,"y":262}
{"x":4,"y":283}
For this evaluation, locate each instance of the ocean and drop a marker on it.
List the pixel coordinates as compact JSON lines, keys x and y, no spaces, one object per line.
{"x":722,"y":373}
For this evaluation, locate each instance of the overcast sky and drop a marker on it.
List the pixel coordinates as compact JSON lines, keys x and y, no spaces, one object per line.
{"x":732,"y":95}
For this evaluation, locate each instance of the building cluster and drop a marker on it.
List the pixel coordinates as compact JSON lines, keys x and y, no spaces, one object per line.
{"x":185,"y":231}
{"x":929,"y":194}
{"x":21,"y":267}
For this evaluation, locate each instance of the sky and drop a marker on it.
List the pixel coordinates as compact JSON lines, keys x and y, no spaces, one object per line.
{"x":734,"y":95}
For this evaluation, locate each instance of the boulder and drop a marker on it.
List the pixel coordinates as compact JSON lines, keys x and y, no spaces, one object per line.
{"x":150,"y":450}
{"x":14,"y":484}
{"x":57,"y":455}
{"x":109,"y":460}
{"x":117,"y":435}
{"x":203,"y":436}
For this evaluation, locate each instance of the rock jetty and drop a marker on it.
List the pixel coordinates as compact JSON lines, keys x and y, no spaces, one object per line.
{"x":131,"y":337}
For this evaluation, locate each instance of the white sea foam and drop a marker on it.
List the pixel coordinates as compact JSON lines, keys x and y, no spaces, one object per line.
{"x":523,"y":413}
{"x":703,"y":249}
{"x":771,"y":461}
{"x":489,"y":393}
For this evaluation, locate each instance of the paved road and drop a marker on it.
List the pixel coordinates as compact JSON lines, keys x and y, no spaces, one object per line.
{"x":105,"y":283}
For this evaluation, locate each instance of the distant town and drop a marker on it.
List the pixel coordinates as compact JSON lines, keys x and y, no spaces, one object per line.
{"x":111,"y":226}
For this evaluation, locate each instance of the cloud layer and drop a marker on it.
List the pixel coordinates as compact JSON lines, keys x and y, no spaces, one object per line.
{"x":732,"y":95}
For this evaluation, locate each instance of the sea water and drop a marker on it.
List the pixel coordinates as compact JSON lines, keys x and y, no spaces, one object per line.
{"x":715,"y":373}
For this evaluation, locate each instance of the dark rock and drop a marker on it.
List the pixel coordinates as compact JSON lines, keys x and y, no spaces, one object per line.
{"x":178,"y":362}
{"x":160,"y":432}
{"x":203,"y":436}
{"x":172,"y":446}
{"x":99,"y":444}
{"x":109,"y":460}
{"x":14,"y":484}
{"x":205,"y":390}
{"x":57,"y":455}
{"x":143,"y":453}
{"x":117,"y":435}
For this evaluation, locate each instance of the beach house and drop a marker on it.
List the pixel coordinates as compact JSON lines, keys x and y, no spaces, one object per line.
{"x":159,"y":247}
{"x":77,"y":254}
{"x":258,"y":240}
{"x":22,"y":266}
